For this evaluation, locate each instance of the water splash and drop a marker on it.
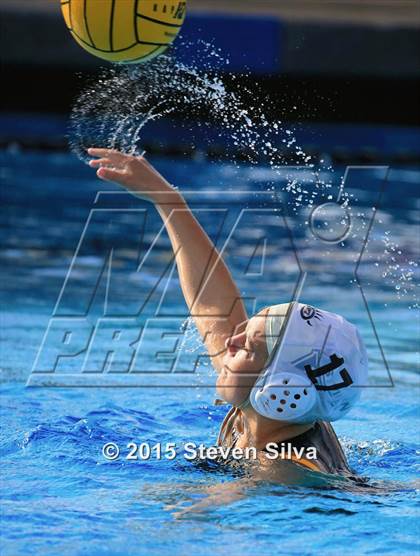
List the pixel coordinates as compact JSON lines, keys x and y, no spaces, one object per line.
{"x":114,"y":109}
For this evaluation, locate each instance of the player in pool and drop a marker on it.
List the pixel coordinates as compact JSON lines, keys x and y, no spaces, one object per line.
{"x":287,"y":371}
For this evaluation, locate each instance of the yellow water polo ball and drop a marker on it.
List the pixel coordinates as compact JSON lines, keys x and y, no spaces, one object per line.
{"x":125,"y":31}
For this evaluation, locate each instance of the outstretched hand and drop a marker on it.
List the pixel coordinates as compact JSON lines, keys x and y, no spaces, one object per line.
{"x":132,"y":172}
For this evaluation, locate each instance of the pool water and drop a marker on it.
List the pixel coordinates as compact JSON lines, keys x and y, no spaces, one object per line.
{"x":58,"y":492}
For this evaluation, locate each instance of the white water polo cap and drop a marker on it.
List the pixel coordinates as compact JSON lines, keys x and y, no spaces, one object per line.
{"x":316,"y":369}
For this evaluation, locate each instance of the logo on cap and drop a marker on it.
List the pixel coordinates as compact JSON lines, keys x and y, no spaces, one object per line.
{"x":308,"y":312}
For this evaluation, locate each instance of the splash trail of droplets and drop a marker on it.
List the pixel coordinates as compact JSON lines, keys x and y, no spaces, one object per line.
{"x":113,"y":110}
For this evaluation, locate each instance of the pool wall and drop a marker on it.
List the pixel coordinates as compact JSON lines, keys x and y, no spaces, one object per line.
{"x":339,"y":67}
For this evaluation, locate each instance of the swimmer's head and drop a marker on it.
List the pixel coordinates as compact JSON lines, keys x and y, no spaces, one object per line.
{"x":316,"y":365}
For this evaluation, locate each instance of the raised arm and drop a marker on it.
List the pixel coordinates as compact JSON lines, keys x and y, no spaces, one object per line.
{"x":211,"y":294}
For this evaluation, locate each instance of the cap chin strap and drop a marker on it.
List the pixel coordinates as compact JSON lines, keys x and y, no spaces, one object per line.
{"x":246,"y":403}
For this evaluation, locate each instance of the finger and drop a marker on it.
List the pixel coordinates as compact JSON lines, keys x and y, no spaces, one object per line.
{"x":100,"y":162}
{"x":112,"y":154}
{"x":108,"y":174}
{"x":98,"y":152}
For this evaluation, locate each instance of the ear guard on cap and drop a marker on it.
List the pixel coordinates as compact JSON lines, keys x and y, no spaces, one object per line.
{"x":316,"y":368}
{"x":287,"y":399}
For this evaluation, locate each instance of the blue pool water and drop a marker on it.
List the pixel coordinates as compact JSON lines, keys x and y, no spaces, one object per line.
{"x":58,"y":493}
